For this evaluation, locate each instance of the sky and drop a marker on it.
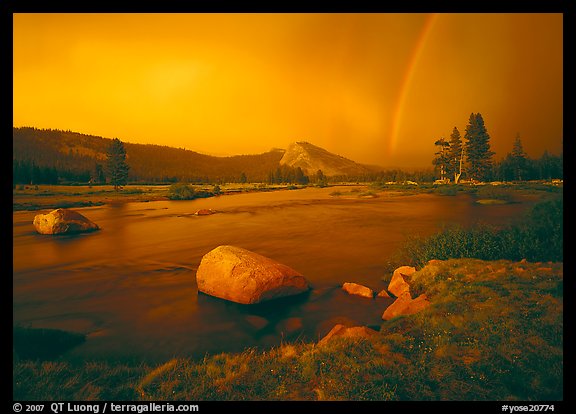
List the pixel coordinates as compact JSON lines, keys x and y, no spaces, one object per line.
{"x":376,"y":88}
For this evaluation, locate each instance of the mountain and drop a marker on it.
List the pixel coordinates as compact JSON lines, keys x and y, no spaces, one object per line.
{"x":312,"y":158}
{"x":77,"y":153}
{"x":66,"y":156}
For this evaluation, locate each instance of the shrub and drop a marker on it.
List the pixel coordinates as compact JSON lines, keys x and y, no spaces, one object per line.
{"x":495,"y":193}
{"x":539,"y":237}
{"x":181,"y":191}
{"x":446,"y":190}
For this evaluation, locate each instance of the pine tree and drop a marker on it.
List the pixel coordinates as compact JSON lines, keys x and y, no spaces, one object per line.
{"x":478,"y":154}
{"x":455,"y":156}
{"x":518,"y":159}
{"x":117,"y":168}
{"x":441,"y":159}
{"x":243,"y":178}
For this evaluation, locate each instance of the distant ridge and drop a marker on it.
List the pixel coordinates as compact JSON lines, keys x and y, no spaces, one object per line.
{"x":311,"y":158}
{"x":81,"y":154}
{"x":73,"y":151}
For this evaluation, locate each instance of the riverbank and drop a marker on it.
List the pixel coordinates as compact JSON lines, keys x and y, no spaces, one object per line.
{"x":494,"y":331}
{"x":41,"y":197}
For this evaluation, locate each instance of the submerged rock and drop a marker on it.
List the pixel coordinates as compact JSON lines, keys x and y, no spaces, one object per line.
{"x":359,"y":290}
{"x":290,"y":326}
{"x":257,"y":322}
{"x":245,"y":277}
{"x":205,"y":212}
{"x":62,"y":221}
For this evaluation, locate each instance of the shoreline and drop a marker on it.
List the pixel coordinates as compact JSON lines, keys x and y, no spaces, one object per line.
{"x":45,"y":197}
{"x":474,"y":313}
{"x":59,"y":196}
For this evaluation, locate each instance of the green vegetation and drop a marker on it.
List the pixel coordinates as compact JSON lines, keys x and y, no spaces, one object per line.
{"x":183,"y":191}
{"x":477,"y":151}
{"x":355,"y":192}
{"x":116,"y":166}
{"x":48,"y":156}
{"x":59,"y":196}
{"x":539,"y":237}
{"x":493,"y":332}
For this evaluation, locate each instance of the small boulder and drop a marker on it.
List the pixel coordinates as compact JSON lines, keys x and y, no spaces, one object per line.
{"x":405,"y":305}
{"x":359,"y":290}
{"x":383,"y":294}
{"x":205,"y":212}
{"x":325,"y":326}
{"x":399,"y":282}
{"x":342,"y":331}
{"x":245,"y":277}
{"x":63,"y":221}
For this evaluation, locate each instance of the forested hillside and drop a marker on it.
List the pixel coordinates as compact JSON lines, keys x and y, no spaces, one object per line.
{"x":41,"y":155}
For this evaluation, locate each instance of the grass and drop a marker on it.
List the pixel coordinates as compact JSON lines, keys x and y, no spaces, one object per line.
{"x":28,"y":197}
{"x":539,"y":237}
{"x":63,"y":196}
{"x":355,"y":192}
{"x":493,"y":332}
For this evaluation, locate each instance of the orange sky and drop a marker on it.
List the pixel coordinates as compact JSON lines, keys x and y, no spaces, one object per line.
{"x":376,"y":88}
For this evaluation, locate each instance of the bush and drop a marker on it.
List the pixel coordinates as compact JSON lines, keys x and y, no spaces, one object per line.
{"x":495,"y":193}
{"x":539,"y":237}
{"x":181,"y":191}
{"x":446,"y":190}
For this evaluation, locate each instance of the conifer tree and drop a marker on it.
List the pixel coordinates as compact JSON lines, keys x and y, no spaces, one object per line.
{"x":117,"y":168}
{"x":518,"y":159}
{"x":478,"y":154}
{"x":455,"y":155}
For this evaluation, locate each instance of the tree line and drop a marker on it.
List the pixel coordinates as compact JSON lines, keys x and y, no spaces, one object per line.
{"x":78,"y":158}
{"x":472,"y":158}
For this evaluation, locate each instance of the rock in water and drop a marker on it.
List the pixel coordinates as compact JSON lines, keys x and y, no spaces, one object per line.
{"x":245,"y":277}
{"x":383,"y":294}
{"x":359,"y":290}
{"x":63,"y":221}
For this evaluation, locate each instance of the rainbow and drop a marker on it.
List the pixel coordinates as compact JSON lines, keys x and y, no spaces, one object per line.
{"x":407,"y":80}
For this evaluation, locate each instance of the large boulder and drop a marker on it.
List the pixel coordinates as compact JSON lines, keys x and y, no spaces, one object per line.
{"x":63,"y":221}
{"x":399,"y":282}
{"x":341,"y":331}
{"x":245,"y":277}
{"x":359,"y":290}
{"x":405,"y":305}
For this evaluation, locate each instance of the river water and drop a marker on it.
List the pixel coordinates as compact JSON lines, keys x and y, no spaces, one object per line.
{"x":131,"y":287}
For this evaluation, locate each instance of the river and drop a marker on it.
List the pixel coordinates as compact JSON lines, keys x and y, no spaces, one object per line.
{"x":131,"y":288}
